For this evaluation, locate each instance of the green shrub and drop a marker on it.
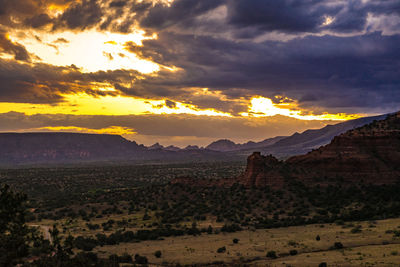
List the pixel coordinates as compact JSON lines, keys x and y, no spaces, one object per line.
{"x":271,"y":254}
{"x":338,"y":245}
{"x":157,"y":254}
{"x":221,"y":250}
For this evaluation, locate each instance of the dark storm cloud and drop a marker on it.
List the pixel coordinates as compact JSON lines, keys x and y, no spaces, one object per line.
{"x":27,"y":13}
{"x":306,"y":16}
{"x":117,"y":3}
{"x":255,"y":16}
{"x":43,"y":83}
{"x":17,"y":50}
{"x":356,"y":71}
{"x":212,"y":42}
{"x":81,"y":15}
{"x":161,"y":16}
{"x":250,"y":18}
{"x":38,"y":21}
{"x":170,"y":104}
{"x":283,"y":15}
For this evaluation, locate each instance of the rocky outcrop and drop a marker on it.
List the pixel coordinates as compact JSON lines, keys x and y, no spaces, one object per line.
{"x":262,"y":171}
{"x":301,"y":143}
{"x":369,"y":154}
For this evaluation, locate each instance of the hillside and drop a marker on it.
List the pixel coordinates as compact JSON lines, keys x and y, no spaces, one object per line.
{"x":368,"y":154}
{"x":60,"y":148}
{"x":225,"y":145}
{"x":298,"y":143}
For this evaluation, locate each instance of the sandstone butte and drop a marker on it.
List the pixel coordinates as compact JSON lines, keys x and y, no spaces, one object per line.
{"x":369,"y":154}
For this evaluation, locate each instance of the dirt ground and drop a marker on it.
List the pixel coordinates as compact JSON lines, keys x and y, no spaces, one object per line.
{"x":372,"y":246}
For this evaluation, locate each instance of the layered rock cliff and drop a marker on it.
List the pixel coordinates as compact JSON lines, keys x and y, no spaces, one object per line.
{"x":262,"y":171}
{"x":369,"y":154}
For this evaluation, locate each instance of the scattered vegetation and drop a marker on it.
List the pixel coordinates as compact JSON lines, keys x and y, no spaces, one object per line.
{"x":109,"y":206}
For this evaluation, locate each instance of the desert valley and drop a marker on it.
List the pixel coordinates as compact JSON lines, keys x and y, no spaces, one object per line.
{"x":336,"y":205}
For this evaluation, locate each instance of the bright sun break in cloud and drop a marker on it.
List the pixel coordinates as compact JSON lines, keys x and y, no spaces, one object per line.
{"x":83,"y":104}
{"x":89,"y":50}
{"x":264,"y":107}
{"x":109,"y":130}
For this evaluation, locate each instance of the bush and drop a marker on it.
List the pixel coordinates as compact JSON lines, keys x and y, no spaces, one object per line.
{"x":92,"y":226}
{"x":85,"y":243}
{"x":271,"y":254}
{"x":293,"y":252}
{"x":235,"y":241}
{"x":230,"y":228}
{"x":338,"y":245}
{"x":157,"y":254}
{"x":113,"y":258}
{"x":356,"y":229}
{"x":221,"y":250}
{"x":140,"y":259}
{"x":125,"y":258}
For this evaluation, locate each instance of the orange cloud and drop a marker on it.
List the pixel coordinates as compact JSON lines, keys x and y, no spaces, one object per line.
{"x":109,"y":130}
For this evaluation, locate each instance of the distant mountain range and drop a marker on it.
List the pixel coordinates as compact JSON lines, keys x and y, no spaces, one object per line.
{"x":225,"y":145}
{"x":298,"y":143}
{"x":60,"y":148}
{"x":65,"y":148}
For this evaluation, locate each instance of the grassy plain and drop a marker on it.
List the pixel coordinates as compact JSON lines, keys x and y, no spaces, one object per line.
{"x":373,"y":245}
{"x":370,"y":247}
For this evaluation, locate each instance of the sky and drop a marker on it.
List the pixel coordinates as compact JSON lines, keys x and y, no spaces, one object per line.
{"x":186,"y":72}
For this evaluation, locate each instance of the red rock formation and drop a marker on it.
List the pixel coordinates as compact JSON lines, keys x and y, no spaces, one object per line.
{"x":370,"y":154}
{"x":261,"y":171}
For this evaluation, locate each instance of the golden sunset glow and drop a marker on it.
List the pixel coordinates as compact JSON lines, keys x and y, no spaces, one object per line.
{"x":264,"y":107}
{"x":109,"y":130}
{"x":83,"y":104}
{"x":89,"y":50}
{"x":182,"y":108}
{"x":328,"y":20}
{"x":207,"y":61}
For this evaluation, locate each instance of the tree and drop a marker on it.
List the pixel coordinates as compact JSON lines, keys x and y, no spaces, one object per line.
{"x":271,"y":254}
{"x":338,"y":245}
{"x":221,"y":250}
{"x":157,"y":254}
{"x":140,"y":259}
{"x":14,"y":239}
